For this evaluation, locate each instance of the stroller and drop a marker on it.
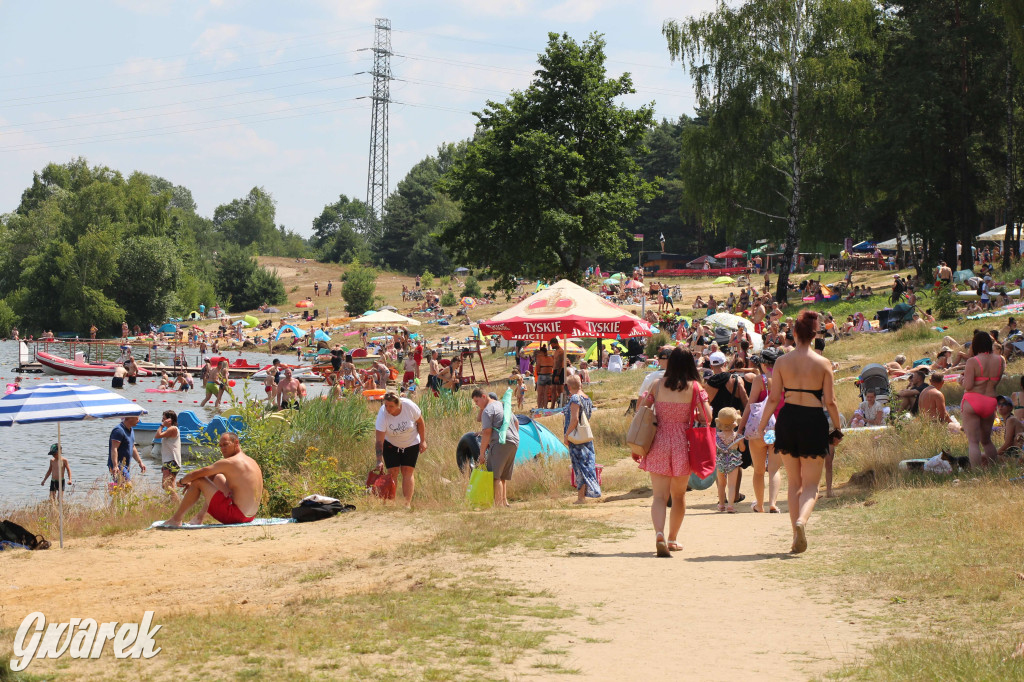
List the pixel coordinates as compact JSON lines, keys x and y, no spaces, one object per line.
{"x":899,"y":315}
{"x":874,"y":378}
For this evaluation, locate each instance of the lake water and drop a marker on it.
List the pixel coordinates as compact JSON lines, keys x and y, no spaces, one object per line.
{"x":23,"y":448}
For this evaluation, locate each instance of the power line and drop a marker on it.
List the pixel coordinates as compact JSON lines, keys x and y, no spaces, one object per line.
{"x":180,"y":111}
{"x":167,"y":130}
{"x":203,"y":53}
{"x":168,"y":80}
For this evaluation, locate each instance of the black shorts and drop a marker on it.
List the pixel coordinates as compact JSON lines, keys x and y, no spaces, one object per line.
{"x":395,"y":457}
{"x":131,"y":380}
{"x":801,"y":431}
{"x":746,"y":461}
{"x":558,"y":377}
{"x":54,"y":487}
{"x":117,"y":382}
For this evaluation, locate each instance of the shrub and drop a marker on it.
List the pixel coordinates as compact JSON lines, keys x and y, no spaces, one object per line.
{"x":654,"y":343}
{"x":358,"y":289}
{"x":946,"y":303}
{"x":445,"y":280}
{"x":8,"y":318}
{"x":427,"y":280}
{"x":472,"y":287}
{"x":448,"y":299}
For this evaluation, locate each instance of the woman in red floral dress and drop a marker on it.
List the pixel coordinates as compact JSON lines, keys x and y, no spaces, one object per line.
{"x":668,"y":459}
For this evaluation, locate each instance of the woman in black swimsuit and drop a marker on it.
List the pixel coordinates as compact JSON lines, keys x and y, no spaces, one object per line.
{"x":801,"y":430}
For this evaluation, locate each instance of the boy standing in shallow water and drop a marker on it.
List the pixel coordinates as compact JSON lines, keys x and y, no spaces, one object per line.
{"x":56,"y":469}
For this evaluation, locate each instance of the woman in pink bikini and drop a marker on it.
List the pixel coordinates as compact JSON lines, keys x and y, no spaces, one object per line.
{"x":668,"y":460}
{"x":978,"y":408}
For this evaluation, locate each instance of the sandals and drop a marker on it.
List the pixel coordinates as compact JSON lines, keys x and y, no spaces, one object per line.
{"x":674,"y":546}
{"x":753,"y":508}
{"x":721,"y":507}
{"x":773,"y":510}
{"x":799,"y":538}
{"x":661,"y":547}
{"x":730,"y":509}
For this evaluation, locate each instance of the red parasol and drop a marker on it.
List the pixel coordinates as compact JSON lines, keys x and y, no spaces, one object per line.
{"x":731,"y":253}
{"x":565,"y":310}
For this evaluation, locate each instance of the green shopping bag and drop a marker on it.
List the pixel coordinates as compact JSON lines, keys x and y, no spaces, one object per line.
{"x":480,"y":492}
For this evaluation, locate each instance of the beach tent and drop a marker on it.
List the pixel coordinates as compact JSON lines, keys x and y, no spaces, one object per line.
{"x":962,"y":276}
{"x":385,"y":318}
{"x":994,"y":235}
{"x":320,"y":335}
{"x":304,"y":304}
{"x":565,"y":310}
{"x":169,"y":328}
{"x":299,"y":333}
{"x":194,"y":315}
{"x":250,"y":321}
{"x":699,"y":262}
{"x":865,"y":246}
{"x":390,"y":307}
{"x":60,"y":402}
{"x":725,"y":280}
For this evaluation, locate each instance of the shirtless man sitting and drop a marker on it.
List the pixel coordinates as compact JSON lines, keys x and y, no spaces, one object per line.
{"x":931,"y":404}
{"x":232,"y":487}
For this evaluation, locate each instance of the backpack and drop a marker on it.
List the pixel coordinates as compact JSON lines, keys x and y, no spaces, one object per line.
{"x":12,"y":532}
{"x":309,"y":510}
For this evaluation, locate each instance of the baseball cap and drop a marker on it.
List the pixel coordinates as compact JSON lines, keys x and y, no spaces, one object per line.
{"x":663,"y":353}
{"x":1004,"y":399}
{"x":717,"y":358}
{"x":54,"y":448}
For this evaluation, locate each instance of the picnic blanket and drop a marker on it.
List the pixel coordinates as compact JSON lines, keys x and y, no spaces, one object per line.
{"x":159,"y":525}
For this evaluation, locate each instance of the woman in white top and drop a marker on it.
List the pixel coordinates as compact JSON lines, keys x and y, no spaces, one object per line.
{"x":170,"y":451}
{"x":401,"y":437}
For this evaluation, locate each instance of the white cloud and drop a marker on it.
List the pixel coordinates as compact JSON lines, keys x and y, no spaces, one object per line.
{"x":575,"y":11}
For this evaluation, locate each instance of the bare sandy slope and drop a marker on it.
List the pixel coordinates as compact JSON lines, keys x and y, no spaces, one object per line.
{"x":716,"y":611}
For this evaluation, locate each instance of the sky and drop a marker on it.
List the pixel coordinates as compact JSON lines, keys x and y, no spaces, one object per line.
{"x":222,"y":95}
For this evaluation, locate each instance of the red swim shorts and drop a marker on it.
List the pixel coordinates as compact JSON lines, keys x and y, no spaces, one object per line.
{"x":408,"y":376}
{"x":224,"y":510}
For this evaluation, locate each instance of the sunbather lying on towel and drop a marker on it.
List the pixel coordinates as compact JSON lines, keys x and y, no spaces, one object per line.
{"x":232,"y":487}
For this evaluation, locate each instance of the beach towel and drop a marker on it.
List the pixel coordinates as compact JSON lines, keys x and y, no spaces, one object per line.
{"x":159,"y":525}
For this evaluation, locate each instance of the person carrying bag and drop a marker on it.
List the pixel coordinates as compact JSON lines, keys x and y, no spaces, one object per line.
{"x":678,"y":399}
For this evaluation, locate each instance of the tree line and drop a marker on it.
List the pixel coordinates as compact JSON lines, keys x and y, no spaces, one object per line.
{"x":88,"y":246}
{"x":815,"y":120}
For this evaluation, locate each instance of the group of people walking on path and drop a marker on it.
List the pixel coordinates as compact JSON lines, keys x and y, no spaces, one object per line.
{"x":795,"y":393}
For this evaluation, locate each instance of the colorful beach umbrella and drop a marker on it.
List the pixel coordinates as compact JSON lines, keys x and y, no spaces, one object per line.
{"x":725,"y":280}
{"x":61,"y":402}
{"x":565,"y":310}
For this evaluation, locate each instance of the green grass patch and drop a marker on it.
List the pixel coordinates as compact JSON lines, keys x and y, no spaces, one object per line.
{"x":439,"y":630}
{"x":935,"y":658}
{"x":482,"y":532}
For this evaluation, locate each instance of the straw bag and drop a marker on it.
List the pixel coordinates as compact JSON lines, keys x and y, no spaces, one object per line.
{"x":641,"y":431}
{"x":582,"y":433}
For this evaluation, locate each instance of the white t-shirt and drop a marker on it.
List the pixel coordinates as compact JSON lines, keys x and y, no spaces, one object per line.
{"x":400,"y":430}
{"x":650,"y":379}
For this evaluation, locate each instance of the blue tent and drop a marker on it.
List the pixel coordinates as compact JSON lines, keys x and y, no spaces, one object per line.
{"x":320,"y":335}
{"x":169,"y":329}
{"x":864,"y":247}
{"x":535,"y":440}
{"x":293,"y":329}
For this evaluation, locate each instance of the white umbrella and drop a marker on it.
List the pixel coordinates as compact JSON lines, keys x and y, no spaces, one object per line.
{"x":61,"y":402}
{"x":385,"y":318}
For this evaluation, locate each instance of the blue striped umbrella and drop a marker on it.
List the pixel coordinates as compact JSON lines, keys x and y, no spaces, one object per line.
{"x":60,"y":402}
{"x":64,"y":402}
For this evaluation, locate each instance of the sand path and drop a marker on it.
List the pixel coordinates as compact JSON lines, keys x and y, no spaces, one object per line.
{"x":715,"y":611}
